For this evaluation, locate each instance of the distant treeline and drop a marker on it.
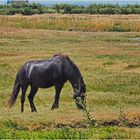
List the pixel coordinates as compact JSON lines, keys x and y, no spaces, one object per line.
{"x":30,"y":9}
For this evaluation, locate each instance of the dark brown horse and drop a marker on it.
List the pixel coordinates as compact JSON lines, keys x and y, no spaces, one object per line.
{"x":47,"y":73}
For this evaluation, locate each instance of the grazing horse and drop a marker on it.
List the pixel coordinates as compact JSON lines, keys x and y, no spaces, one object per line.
{"x":47,"y":73}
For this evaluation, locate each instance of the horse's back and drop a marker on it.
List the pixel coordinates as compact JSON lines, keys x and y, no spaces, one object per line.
{"x":42,"y":73}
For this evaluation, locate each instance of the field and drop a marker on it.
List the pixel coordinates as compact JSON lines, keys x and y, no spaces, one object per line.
{"x":109,"y":62}
{"x":77,"y":22}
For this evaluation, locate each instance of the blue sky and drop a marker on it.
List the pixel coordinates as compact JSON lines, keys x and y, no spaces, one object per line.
{"x":88,"y":0}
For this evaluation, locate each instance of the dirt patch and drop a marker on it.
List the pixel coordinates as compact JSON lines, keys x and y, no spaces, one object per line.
{"x":9,"y":54}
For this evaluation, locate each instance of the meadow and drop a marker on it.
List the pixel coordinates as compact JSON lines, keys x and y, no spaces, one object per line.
{"x":74,"y":22}
{"x":108,"y":61}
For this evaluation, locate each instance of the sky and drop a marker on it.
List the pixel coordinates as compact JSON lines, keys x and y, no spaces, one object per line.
{"x":89,"y":0}
{"x":81,"y":0}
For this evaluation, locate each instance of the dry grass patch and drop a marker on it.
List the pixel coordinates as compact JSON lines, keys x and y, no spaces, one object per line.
{"x":74,"y":22}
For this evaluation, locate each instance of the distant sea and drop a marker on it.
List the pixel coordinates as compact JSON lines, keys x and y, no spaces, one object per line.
{"x":79,"y":2}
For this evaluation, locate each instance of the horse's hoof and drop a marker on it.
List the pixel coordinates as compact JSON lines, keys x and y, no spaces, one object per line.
{"x":33,"y":110}
{"x":54,"y":107}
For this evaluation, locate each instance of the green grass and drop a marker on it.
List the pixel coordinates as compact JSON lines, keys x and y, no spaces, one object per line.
{"x":109,"y":63}
{"x":14,"y":131}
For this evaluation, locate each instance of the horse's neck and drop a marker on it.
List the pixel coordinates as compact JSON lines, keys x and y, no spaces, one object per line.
{"x":75,"y":76}
{"x":74,"y":80}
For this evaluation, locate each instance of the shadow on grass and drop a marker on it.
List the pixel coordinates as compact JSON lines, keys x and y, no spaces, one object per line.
{"x":84,"y":124}
{"x":97,"y":123}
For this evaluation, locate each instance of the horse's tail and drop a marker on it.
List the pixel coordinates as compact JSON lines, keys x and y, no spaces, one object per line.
{"x":15,"y":92}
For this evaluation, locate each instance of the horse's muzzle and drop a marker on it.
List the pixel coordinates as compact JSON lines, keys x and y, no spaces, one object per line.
{"x":79,"y":103}
{"x":75,"y":95}
{"x":82,"y":95}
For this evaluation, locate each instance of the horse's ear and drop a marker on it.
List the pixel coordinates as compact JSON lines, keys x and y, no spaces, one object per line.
{"x":66,"y":56}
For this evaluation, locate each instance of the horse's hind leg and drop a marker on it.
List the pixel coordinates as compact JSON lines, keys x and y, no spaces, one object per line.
{"x":24,"y":88}
{"x":31,"y":98}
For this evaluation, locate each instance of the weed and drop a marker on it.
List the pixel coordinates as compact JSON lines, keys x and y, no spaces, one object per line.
{"x":89,"y":122}
{"x":122,"y":118}
{"x":133,"y":66}
{"x":13,"y":125}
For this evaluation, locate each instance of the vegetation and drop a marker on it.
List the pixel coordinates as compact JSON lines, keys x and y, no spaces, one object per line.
{"x":24,"y":8}
{"x":30,"y":9}
{"x":13,"y":132}
{"x":109,"y":62}
{"x":72,"y":22}
{"x":98,"y":9}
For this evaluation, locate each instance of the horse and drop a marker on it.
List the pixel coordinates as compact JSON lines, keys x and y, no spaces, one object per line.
{"x":55,"y":71}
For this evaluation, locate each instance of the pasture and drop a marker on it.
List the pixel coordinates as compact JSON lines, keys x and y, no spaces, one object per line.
{"x":110,"y":65}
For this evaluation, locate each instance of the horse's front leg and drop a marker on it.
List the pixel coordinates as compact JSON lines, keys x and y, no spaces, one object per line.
{"x":58,"y":88}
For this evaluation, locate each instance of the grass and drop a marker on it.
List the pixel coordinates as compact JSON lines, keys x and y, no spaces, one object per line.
{"x":67,"y":133}
{"x":109,"y":62}
{"x":119,"y":23}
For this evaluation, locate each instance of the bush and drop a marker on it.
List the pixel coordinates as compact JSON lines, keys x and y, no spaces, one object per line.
{"x":126,"y":10}
{"x":29,"y":9}
{"x":136,"y":10}
{"x":78,"y":10}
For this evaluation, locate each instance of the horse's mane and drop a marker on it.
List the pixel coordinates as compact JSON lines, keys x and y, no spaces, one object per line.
{"x":66,"y":57}
{"x":61,"y":55}
{"x":71,"y":62}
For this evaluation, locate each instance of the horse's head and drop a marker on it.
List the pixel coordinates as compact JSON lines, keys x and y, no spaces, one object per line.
{"x":77,"y":82}
{"x":79,"y":94}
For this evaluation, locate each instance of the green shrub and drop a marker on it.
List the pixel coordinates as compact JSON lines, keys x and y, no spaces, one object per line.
{"x":29,"y":9}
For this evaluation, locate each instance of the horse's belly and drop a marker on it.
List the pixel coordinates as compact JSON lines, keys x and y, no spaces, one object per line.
{"x":41,"y":83}
{"x":47,"y":85}
{"x":44,"y":78}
